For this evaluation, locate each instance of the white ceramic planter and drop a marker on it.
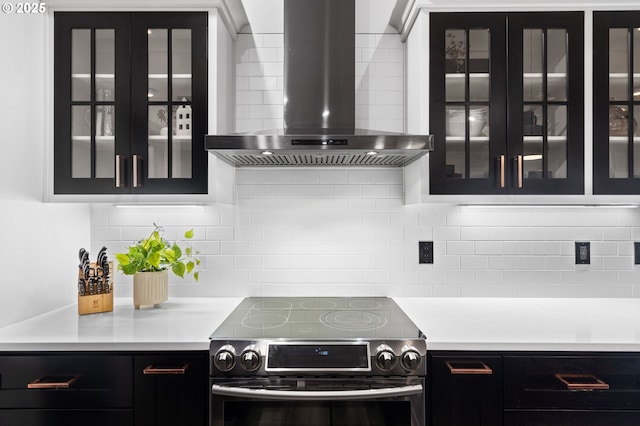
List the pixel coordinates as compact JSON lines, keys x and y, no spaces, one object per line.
{"x":150,"y":288}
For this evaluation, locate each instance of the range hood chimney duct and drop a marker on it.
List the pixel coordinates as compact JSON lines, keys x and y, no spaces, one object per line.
{"x":319,"y":73}
{"x":319,"y":101}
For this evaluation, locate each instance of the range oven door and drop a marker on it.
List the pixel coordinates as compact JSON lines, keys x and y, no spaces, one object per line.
{"x":318,"y":402}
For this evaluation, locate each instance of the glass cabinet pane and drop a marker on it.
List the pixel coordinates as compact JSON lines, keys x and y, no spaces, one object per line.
{"x":181,"y":64}
{"x":618,"y":64}
{"x":479,"y":65}
{"x":557,"y":53}
{"x":159,"y":120}
{"x":533,"y":60}
{"x":158,"y":46}
{"x":557,"y":142}
{"x":105,"y":61}
{"x":455,"y":55}
{"x":80,"y":65}
{"x":455,"y":141}
{"x":81,"y":141}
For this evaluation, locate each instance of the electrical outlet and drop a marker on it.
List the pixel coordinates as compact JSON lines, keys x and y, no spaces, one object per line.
{"x":583,"y":253}
{"x":636,"y":253}
{"x":425,"y":251}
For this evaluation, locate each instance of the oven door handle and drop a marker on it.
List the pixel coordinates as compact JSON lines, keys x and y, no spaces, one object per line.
{"x":316,"y":395}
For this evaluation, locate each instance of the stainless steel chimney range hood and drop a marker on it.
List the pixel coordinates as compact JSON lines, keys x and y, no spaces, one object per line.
{"x":319,"y":101}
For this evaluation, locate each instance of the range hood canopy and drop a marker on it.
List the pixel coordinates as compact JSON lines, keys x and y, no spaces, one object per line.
{"x":319,"y":101}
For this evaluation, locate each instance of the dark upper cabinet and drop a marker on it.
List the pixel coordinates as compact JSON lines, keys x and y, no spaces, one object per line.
{"x":507,"y":103}
{"x":130,"y":107}
{"x":616,"y":96}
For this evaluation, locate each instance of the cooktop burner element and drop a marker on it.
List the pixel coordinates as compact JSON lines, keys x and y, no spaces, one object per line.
{"x":353,"y":320}
{"x":320,"y":317}
{"x":322,"y":335}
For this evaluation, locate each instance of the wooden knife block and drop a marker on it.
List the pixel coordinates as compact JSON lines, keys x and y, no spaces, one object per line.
{"x":96,"y":303}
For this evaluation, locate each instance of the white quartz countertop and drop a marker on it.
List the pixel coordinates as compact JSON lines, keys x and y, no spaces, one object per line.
{"x":449,"y":324}
{"x":178,"y":324}
{"x":527,"y":324}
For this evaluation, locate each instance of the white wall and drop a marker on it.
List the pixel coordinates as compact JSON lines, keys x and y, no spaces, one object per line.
{"x":39,"y":241}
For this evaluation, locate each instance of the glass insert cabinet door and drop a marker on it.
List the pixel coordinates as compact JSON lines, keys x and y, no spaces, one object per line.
{"x":130,"y":103}
{"x":616,"y":141}
{"x":504,"y":103}
{"x":91,"y":106}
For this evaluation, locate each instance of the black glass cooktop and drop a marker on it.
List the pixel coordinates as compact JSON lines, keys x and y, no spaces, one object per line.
{"x":317,"y":317}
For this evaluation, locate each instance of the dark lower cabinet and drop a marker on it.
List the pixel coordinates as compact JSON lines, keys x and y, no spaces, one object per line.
{"x":571,"y":418}
{"x":171,"y":389}
{"x":534,"y":389}
{"x":120,"y":417}
{"x":466,"y":389}
{"x":103,"y":388}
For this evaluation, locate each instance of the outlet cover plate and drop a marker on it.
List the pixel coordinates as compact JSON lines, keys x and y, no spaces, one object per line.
{"x":425,"y":251}
{"x":583,"y":253}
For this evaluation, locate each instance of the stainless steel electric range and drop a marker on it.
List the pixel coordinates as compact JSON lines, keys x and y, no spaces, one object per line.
{"x":317,"y":361}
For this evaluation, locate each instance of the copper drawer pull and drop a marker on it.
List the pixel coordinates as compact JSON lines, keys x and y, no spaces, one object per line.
{"x":581,"y":381}
{"x":151,"y":370}
{"x":468,"y":367}
{"x":52,"y":382}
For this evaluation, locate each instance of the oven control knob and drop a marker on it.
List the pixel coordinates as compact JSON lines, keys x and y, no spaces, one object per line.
{"x":385,"y":358}
{"x":225,"y":359}
{"x":250,"y":359}
{"x":410,"y":359}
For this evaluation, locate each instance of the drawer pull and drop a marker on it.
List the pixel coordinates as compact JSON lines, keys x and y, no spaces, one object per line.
{"x":581,"y":381}
{"x":52,"y":382}
{"x":468,"y":367}
{"x":151,"y":370}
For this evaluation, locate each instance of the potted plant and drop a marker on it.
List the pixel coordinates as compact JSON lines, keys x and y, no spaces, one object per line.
{"x":149,"y":261}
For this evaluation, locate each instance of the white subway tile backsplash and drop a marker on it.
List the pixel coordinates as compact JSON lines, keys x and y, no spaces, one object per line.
{"x":249,"y":97}
{"x":346,"y":232}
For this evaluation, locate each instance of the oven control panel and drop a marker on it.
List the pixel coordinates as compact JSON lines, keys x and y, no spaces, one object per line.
{"x":353,"y":358}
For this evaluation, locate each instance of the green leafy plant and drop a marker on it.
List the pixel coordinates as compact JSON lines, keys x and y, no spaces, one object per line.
{"x":154,"y":253}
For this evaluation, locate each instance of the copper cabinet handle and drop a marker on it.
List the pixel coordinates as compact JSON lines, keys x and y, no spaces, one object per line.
{"x":135,"y":171}
{"x":518,"y":161}
{"x":118,"y":171}
{"x":581,"y":381}
{"x":151,"y":370}
{"x":501,"y":177}
{"x":468,"y":367}
{"x":52,"y":382}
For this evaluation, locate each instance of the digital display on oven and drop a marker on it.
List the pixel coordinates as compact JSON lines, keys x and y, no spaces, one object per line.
{"x":318,"y":356}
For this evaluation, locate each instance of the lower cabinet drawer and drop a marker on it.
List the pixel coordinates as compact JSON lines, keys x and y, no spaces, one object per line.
{"x":602,"y":382}
{"x":64,"y":381}
{"x":66,"y":417}
{"x":572,"y":418}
